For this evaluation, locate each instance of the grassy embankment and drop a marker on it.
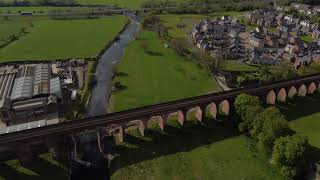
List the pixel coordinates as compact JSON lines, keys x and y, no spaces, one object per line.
{"x":60,"y":39}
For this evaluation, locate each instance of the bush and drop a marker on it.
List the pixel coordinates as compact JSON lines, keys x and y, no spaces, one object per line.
{"x":289,"y":153}
{"x":274,"y":126}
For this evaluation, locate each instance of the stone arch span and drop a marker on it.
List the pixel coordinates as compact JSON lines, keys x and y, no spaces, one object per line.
{"x":212,"y":109}
{"x":224,"y":108}
{"x":271,"y":98}
{"x":196,"y":112}
{"x":282,"y":95}
{"x":140,"y":124}
{"x":312,"y":88}
{"x":158,"y":120}
{"x":302,"y":92}
{"x":292,"y":92}
{"x":181,"y":117}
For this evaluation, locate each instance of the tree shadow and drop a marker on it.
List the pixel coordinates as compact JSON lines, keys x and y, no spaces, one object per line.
{"x":300,"y":107}
{"x":152,"y":53}
{"x":172,"y":140}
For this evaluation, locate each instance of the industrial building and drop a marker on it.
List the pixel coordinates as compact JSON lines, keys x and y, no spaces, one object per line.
{"x":28,"y":92}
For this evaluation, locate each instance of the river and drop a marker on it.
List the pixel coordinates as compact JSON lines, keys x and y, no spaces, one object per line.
{"x":100,"y":94}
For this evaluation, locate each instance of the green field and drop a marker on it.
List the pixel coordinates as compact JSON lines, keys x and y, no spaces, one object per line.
{"x":60,"y":39}
{"x":43,"y":9}
{"x":237,"y":66}
{"x":157,"y":74}
{"x":213,"y":151}
{"x":9,"y":28}
{"x":43,"y":167}
{"x":171,"y":21}
{"x":120,"y":3}
{"x":132,"y":4}
{"x":307,"y":38}
{"x":304,"y":116}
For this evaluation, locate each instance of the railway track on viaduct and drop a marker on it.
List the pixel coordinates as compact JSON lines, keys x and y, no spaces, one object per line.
{"x":124,"y":117}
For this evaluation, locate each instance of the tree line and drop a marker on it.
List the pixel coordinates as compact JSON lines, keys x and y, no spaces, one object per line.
{"x":272,"y":136}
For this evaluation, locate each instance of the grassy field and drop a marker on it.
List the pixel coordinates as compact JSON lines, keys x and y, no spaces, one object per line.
{"x":213,"y":151}
{"x":307,"y":38}
{"x":171,"y":21}
{"x":132,"y":4}
{"x":10,"y":28}
{"x":304,"y":116}
{"x":120,"y":3}
{"x":43,"y":9}
{"x":59,"y":39}
{"x":237,"y":66}
{"x":43,"y":167}
{"x":157,"y":74}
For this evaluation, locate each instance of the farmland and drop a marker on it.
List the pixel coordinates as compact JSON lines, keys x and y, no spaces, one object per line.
{"x":59,"y":39}
{"x":157,"y":74}
{"x":131,"y":4}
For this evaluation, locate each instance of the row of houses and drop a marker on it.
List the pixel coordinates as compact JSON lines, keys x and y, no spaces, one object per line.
{"x":273,"y":18}
{"x":306,"y":9}
{"x":285,"y":38}
{"x":220,"y":36}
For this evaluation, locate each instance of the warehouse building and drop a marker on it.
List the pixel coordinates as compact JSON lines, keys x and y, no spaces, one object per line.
{"x":28,"y":92}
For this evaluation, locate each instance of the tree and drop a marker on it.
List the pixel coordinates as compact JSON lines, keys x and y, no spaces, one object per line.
{"x":264,"y":74}
{"x":151,"y":21}
{"x":244,"y":102}
{"x":247,"y":106}
{"x":290,"y":154}
{"x":274,"y":126}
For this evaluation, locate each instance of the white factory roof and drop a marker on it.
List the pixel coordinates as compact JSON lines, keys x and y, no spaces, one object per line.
{"x":24,"y":126}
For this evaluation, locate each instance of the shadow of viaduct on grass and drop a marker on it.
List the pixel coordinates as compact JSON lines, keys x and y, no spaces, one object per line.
{"x":172,"y":140}
{"x":40,"y":169}
{"x":300,"y":107}
{"x":194,"y":134}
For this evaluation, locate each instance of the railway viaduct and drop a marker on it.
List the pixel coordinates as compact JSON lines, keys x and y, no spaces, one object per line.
{"x":215,"y":104}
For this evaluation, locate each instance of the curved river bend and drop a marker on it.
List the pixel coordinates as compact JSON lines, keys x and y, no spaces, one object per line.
{"x":100,"y":95}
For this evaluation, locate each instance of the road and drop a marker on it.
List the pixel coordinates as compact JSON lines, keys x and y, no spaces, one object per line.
{"x":100,"y":95}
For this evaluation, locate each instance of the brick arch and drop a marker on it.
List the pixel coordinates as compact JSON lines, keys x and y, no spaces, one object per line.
{"x":181,"y":117}
{"x":271,"y":97}
{"x":212,"y":109}
{"x":139,"y":124}
{"x":292,"y":92}
{"x":224,"y":107}
{"x":198,"y":113}
{"x":156,"y":120}
{"x":302,"y":90}
{"x":312,"y":88}
{"x":282,"y":95}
